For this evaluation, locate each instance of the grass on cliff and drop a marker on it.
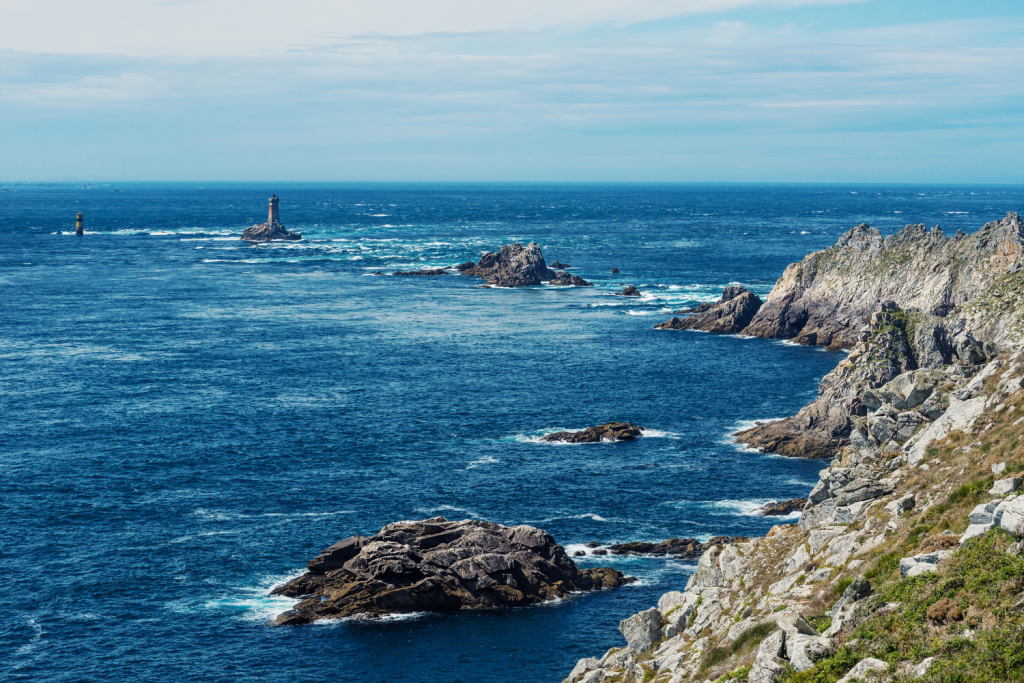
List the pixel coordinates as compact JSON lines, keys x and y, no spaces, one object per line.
{"x":970,"y":615}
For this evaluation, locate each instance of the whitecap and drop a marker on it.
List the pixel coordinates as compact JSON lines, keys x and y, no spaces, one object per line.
{"x":449,"y":508}
{"x":658,"y":434}
{"x":486,"y":460}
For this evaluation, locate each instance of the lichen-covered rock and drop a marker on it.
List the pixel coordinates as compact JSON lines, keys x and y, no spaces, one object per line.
{"x":923,"y":563}
{"x":728,"y":315}
{"x":439,"y":566}
{"x":641,"y":630}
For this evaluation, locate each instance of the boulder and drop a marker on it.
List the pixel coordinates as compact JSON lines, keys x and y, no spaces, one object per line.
{"x":1004,"y":486}
{"x":867,"y":669}
{"x":615,"y":270}
{"x":582,"y":667}
{"x":630,"y":291}
{"x":438,"y":565}
{"x":1009,"y":515}
{"x":923,"y":563}
{"x":728,"y":315}
{"x":642,"y":630}
{"x":803,"y":650}
{"x":902,"y":504}
{"x":768,"y":663}
{"x":609,"y":431}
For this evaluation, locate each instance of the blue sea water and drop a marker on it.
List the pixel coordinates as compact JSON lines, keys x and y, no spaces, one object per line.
{"x":186,"y":420}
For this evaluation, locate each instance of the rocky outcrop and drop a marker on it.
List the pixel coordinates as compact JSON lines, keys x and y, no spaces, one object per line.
{"x":615,"y":270}
{"x":428,"y":272}
{"x":729,"y":315}
{"x":609,"y":431}
{"x":267,"y":232}
{"x":680,"y":548}
{"x":439,"y":566}
{"x":517,"y":266}
{"x":785,"y":507}
{"x":630,"y":291}
{"x":556,"y":265}
{"x":826,"y":299}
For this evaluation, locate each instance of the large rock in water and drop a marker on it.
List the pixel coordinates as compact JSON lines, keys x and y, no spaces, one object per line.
{"x":517,"y":266}
{"x":265,"y":232}
{"x":609,"y":431}
{"x":728,"y":315}
{"x":438,"y":566}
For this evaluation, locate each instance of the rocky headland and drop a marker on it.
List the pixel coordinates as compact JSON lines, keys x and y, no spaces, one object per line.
{"x":438,"y":565}
{"x":609,"y":431}
{"x":517,"y":266}
{"x":907,"y":562}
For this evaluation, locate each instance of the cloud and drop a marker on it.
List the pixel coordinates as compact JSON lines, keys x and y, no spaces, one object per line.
{"x":234,"y":27}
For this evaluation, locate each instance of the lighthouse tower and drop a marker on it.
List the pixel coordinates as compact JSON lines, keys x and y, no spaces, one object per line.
{"x":274,"y":216}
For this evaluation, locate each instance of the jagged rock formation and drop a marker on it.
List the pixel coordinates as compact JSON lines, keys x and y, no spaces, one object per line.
{"x":756,"y":608}
{"x":609,"y":431}
{"x":826,"y":299}
{"x":516,"y":266}
{"x":964,"y":296}
{"x":439,"y":566}
{"x":786,"y":507}
{"x":730,"y":314}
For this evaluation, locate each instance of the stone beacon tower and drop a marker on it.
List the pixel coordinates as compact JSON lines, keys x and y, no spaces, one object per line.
{"x":275,"y":217}
{"x":272,"y":229}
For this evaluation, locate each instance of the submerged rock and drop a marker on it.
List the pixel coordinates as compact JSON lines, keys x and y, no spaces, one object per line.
{"x":609,"y":431}
{"x":435,"y":271}
{"x":439,"y":566}
{"x":728,"y":315}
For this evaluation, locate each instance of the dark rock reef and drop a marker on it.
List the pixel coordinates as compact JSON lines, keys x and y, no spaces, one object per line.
{"x":517,"y":266}
{"x":786,"y":507}
{"x":438,"y":566}
{"x":682,"y":548}
{"x":728,"y":315}
{"x":630,"y":291}
{"x":609,"y":431}
{"x":430,"y":272}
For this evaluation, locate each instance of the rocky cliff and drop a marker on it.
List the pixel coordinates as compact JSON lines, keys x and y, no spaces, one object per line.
{"x":917,"y":300}
{"x":907,"y":562}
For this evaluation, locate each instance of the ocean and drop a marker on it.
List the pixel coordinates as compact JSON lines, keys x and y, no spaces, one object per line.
{"x":187,"y":419}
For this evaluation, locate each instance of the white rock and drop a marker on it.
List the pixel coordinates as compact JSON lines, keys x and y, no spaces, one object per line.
{"x":959,"y":415}
{"x":641,"y":630}
{"x":921,"y":669}
{"x":677,"y":607}
{"x":802,"y":650}
{"x":797,"y":560}
{"x":819,"y":538}
{"x":998,"y":469}
{"x":864,"y":668}
{"x":982,"y":514}
{"x":975,"y":530}
{"x":768,"y":664}
{"x":791,"y":621}
{"x":596,"y":676}
{"x":923,"y":563}
{"x":583,"y":666}
{"x":1009,"y":515}
{"x":900,"y":505}
{"x":1004,"y":486}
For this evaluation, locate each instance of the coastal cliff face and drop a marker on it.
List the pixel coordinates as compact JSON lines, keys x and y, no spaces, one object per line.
{"x":907,"y":562}
{"x":916,"y":300}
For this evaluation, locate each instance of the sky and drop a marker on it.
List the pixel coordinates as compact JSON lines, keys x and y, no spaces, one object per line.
{"x":867,"y":91}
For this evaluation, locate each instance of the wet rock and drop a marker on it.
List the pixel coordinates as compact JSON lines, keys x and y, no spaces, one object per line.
{"x":429,"y":272}
{"x":784,"y":508}
{"x":377,"y":272}
{"x":615,"y":270}
{"x":685,"y":548}
{"x":439,"y":566}
{"x":609,"y":431}
{"x":564,"y":279}
{"x":468,"y":265}
{"x":556,"y":265}
{"x":728,"y":315}
{"x":630,"y":291}
{"x":593,"y":544}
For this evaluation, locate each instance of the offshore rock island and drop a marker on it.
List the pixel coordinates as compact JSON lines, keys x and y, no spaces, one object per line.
{"x":272,"y":229}
{"x":908,"y":560}
{"x":439,"y":566}
{"x":517,"y":266}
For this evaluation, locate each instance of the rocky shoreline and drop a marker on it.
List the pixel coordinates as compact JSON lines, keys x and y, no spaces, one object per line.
{"x":920,"y":421}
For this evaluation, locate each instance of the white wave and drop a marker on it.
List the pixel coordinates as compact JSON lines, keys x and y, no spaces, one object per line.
{"x":585,"y":515}
{"x":957,"y":212}
{"x":640,"y":313}
{"x":307,"y":514}
{"x":449,"y":508}
{"x":793,"y":481}
{"x":251,"y":603}
{"x":658,"y":434}
{"x":805,"y":232}
{"x":747,"y":508}
{"x":486,"y":460}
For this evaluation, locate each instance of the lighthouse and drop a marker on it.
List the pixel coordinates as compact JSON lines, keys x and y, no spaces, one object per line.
{"x":274,"y":216}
